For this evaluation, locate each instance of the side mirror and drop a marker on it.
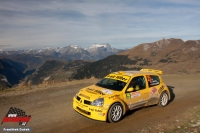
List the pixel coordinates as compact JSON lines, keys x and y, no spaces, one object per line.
{"x":130,"y":89}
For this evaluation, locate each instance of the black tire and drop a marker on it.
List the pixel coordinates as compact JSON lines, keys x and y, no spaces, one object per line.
{"x":115,"y":112}
{"x":164,"y":99}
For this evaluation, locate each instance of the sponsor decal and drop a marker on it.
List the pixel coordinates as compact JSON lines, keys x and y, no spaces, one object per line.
{"x":133,"y":94}
{"x":87,"y":97}
{"x":151,"y":81}
{"x":123,"y":78}
{"x":97,"y":91}
{"x":91,"y":109}
{"x":113,"y":96}
{"x":96,"y":110}
{"x":16,"y":115}
{"x":154,"y":82}
{"x":107,"y":91}
{"x":161,"y":88}
{"x":128,"y":95}
{"x":153,"y":90}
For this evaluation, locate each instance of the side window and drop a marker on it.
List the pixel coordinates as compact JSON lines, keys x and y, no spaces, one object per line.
{"x":138,"y":83}
{"x":153,"y":80}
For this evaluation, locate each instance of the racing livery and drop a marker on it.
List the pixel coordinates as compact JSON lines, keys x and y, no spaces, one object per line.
{"x":118,"y":92}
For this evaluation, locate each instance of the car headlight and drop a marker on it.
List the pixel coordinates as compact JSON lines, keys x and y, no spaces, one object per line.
{"x":98,"y":102}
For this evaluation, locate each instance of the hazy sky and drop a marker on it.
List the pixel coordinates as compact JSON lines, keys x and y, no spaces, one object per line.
{"x":36,"y":24}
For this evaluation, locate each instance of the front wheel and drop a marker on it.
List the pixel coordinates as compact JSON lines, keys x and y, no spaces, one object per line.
{"x":115,"y":112}
{"x":163,"y":99}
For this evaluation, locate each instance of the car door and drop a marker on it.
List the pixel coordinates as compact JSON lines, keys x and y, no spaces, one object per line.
{"x":155,"y":88}
{"x":140,"y":94}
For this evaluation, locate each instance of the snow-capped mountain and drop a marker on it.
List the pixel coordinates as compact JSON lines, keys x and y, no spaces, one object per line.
{"x":96,"y":46}
{"x":104,"y":46}
{"x":73,"y":52}
{"x":100,"y":51}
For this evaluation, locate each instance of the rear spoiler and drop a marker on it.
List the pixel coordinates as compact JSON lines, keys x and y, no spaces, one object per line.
{"x":152,"y":70}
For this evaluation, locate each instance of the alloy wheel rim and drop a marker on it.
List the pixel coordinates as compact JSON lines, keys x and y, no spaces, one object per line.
{"x":116,"y":113}
{"x":164,"y":99}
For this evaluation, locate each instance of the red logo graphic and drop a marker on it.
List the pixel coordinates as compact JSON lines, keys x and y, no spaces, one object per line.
{"x":16,"y":115}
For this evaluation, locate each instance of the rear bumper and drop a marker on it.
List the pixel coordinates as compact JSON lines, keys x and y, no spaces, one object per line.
{"x":93,"y":112}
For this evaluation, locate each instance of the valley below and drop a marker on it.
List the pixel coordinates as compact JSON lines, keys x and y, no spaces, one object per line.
{"x":50,"y":107}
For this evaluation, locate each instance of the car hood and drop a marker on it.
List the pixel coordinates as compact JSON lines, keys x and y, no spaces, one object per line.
{"x":93,"y":92}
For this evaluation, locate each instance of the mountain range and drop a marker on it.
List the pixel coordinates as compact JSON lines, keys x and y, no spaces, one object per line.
{"x":72,"y":52}
{"x":34,"y":60}
{"x":172,"y":56}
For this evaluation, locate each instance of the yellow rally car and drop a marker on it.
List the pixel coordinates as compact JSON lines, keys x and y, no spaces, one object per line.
{"x":119,"y":92}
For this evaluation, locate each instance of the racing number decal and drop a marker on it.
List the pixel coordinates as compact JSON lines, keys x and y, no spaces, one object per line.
{"x":149,"y":79}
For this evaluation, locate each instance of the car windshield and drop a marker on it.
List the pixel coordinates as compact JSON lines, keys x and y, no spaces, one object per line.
{"x":111,"y":84}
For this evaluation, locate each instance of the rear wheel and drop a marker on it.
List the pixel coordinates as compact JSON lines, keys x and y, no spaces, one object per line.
{"x":115,"y":112}
{"x":163,"y":99}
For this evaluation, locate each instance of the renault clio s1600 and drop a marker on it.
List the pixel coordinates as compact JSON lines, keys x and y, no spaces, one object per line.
{"x":118,"y":92}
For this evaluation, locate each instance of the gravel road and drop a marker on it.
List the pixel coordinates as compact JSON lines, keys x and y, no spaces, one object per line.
{"x":51,"y":108}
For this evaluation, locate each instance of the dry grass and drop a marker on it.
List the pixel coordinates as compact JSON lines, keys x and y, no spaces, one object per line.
{"x":23,"y":89}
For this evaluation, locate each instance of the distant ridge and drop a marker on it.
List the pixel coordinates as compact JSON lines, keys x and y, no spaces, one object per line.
{"x":72,"y":52}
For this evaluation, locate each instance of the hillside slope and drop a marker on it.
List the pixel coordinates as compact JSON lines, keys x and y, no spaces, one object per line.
{"x":105,"y":66}
{"x":170,"y":55}
{"x":12,"y":72}
{"x":34,"y":61}
{"x":54,"y":71}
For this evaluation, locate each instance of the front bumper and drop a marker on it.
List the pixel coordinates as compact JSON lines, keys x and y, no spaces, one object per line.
{"x":93,"y":112}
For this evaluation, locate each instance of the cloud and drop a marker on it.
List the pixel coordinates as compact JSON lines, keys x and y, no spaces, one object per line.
{"x":43,"y":23}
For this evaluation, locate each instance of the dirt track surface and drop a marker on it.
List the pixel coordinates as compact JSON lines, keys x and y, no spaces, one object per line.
{"x":51,"y":108}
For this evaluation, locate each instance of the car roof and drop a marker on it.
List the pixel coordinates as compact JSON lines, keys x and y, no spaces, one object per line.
{"x":131,"y":73}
